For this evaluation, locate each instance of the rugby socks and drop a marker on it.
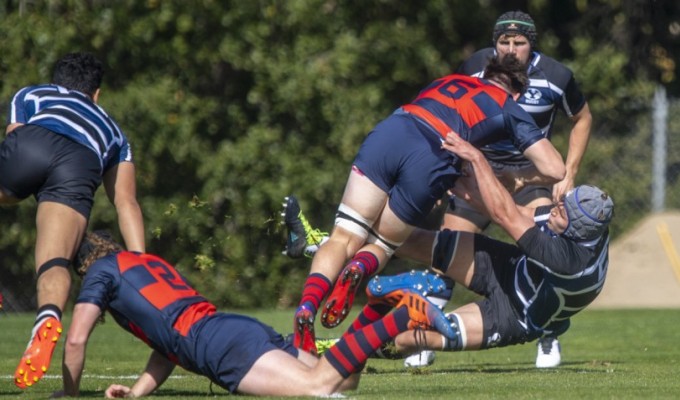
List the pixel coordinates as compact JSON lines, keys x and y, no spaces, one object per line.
{"x":46,"y":311}
{"x":316,"y":288}
{"x":350,"y":353}
{"x":367,"y":261}
{"x":368,"y":315}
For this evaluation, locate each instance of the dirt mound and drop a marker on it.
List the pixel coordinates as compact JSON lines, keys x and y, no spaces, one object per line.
{"x":644,"y":266}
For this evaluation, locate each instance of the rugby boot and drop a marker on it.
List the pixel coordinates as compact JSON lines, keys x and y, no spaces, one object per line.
{"x":38,"y":355}
{"x":388,"y":288}
{"x":548,"y":352}
{"x":425,"y":315}
{"x":340,"y":300}
{"x":303,"y":330}
{"x":302,"y":239}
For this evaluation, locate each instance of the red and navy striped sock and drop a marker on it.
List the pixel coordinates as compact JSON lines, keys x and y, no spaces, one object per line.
{"x":368,"y":260}
{"x":350,"y":353}
{"x":315,"y":290}
{"x":369,"y":314}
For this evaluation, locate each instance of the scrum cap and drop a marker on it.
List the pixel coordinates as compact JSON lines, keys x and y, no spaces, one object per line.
{"x":515,"y":22}
{"x":589,"y":210}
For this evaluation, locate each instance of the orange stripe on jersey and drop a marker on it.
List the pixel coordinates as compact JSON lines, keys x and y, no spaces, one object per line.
{"x":167,"y":287}
{"x":192,"y":314}
{"x":458,"y":93}
{"x":436,"y":123}
{"x":127,"y":260}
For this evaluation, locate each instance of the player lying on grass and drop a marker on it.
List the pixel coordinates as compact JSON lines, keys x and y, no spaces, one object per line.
{"x":147,"y":297}
{"x":530,"y":289}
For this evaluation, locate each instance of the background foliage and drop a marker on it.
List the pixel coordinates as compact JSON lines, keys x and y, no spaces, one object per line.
{"x":231,"y":105}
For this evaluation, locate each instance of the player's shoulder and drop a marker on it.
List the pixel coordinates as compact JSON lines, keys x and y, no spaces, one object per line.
{"x":107,"y":264}
{"x":35,"y":89}
{"x":553,"y":69}
{"x":476,"y":63}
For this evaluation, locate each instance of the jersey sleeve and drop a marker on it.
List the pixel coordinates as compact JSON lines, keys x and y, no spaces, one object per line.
{"x":20,"y":111}
{"x":121,"y":154}
{"x":475,"y":64}
{"x":522,"y":128}
{"x":574,"y":100}
{"x":98,"y":283}
{"x":557,"y":254}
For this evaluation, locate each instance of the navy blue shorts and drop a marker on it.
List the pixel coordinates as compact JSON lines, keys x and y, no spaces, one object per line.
{"x":51,"y":167}
{"x":225,"y":347}
{"x":405,"y":159}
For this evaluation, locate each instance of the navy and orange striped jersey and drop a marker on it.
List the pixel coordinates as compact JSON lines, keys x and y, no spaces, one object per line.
{"x":72,"y":114}
{"x":477,"y":110}
{"x":147,"y":297}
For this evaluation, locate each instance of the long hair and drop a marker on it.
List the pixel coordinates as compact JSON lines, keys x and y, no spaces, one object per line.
{"x":94,"y":246}
{"x":509,"y":71}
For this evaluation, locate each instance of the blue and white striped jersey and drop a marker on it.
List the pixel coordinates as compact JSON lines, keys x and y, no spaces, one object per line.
{"x":74,"y":115}
{"x":558,"y":277}
{"x":552,"y":87}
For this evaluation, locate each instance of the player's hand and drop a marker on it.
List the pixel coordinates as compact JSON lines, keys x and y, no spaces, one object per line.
{"x":456,"y":145}
{"x":561,"y":188}
{"x":117,"y":391}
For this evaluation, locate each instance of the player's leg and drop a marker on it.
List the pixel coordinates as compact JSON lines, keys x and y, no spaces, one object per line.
{"x":278,"y":373}
{"x":549,"y":350}
{"x":361,"y":204}
{"x":59,"y":231}
{"x":459,"y":216}
{"x":453,"y":255}
{"x":387,"y":234}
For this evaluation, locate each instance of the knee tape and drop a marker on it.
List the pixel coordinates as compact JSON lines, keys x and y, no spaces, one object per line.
{"x":460,"y":341}
{"x":55,"y":262}
{"x":352,"y":221}
{"x":387,"y":246}
{"x":444,"y":249}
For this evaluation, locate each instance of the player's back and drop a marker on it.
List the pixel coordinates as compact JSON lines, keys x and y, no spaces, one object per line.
{"x":146,"y":296}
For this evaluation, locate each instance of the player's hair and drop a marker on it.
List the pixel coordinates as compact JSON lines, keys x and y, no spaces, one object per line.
{"x":515,"y":23}
{"x":509,"y":72}
{"x":79,"y":71}
{"x":94,"y":246}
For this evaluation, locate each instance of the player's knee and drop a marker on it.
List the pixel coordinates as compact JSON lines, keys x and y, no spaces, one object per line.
{"x":351,"y":221}
{"x":55,"y":262}
{"x":386,"y":245}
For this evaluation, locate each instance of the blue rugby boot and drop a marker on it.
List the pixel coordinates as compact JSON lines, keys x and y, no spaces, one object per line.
{"x":389,"y":288}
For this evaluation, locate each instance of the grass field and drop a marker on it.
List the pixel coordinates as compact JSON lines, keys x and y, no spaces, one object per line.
{"x":631,"y":354}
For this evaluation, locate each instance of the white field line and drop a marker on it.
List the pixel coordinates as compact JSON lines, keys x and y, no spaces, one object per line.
{"x":107,"y":377}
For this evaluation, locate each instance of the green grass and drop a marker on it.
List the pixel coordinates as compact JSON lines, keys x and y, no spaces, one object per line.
{"x":629,"y":354}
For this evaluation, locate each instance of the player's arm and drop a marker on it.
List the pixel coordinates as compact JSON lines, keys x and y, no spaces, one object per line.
{"x":84,"y":318}
{"x":549,"y":167}
{"x":578,"y":142}
{"x":157,"y":370}
{"x":19,"y":110}
{"x":490,"y":192}
{"x":12,"y":127}
{"x":121,"y":188}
